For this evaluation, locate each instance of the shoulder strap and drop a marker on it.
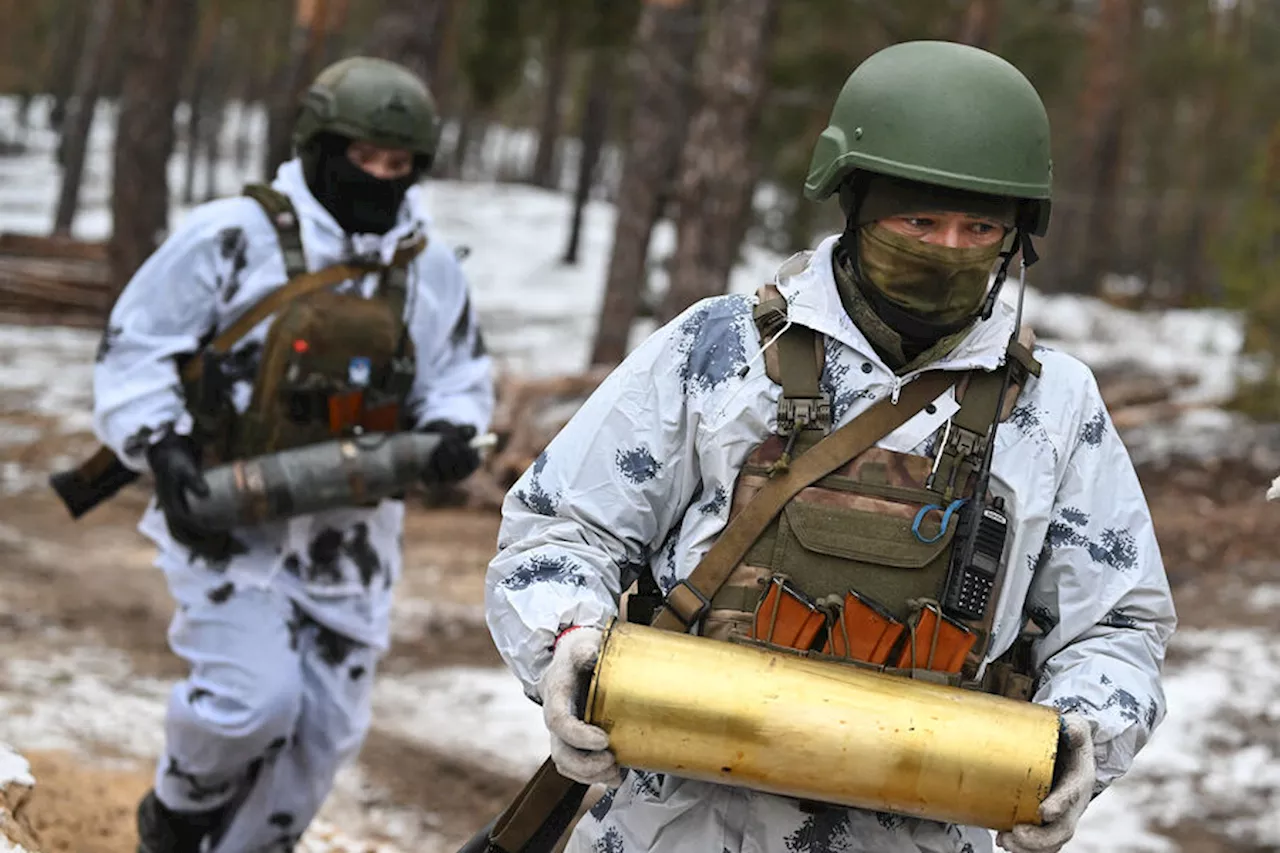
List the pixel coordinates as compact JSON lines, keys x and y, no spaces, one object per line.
{"x":284,"y":219}
{"x":394,"y":285}
{"x":981,"y":406}
{"x":688,"y":602}
{"x":298,"y":287}
{"x":794,"y":361}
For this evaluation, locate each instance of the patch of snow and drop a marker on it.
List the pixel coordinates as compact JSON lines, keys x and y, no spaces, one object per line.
{"x":1199,"y":347}
{"x":325,"y":837}
{"x":48,"y":371}
{"x":1265,"y":598}
{"x":413,"y":617}
{"x":14,"y":769}
{"x":465,"y":711}
{"x":82,"y":699}
{"x":1273,"y":493}
{"x":89,"y":701}
{"x":1215,"y":758}
{"x":365,"y":810}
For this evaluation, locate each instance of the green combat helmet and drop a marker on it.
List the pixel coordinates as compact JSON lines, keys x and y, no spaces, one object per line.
{"x":944,"y":114}
{"x":370,"y":99}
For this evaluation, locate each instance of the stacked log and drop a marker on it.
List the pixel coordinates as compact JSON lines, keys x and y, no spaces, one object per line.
{"x":53,"y":281}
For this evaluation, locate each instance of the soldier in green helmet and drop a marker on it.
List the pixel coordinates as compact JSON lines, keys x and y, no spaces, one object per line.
{"x":979,"y":522}
{"x":318,"y":307}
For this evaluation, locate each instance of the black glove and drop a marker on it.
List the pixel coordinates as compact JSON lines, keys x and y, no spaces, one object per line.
{"x":454,"y":458}
{"x":174,"y":462}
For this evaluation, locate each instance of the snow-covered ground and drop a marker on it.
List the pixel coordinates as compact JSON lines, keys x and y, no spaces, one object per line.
{"x":1215,"y":759}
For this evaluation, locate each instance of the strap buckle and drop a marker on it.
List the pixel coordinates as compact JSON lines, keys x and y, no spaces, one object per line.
{"x":799,"y":413}
{"x":770,"y":317}
{"x":679,"y":604}
{"x":965,"y":443}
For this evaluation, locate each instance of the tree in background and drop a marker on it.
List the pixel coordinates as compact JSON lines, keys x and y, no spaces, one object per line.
{"x":980,"y":23}
{"x":718,"y":173}
{"x":79,"y":117}
{"x":64,"y":55}
{"x":313,"y":21}
{"x":610,"y":30}
{"x":1098,"y":143}
{"x":492,"y":66}
{"x":1250,"y":259}
{"x":416,"y":34}
{"x":204,"y":105}
{"x":663,"y":86}
{"x":162,"y":32}
{"x":557,"y":47}
{"x":1150,"y":169}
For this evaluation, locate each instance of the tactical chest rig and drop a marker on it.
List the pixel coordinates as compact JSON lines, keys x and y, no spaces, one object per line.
{"x":333,"y":364}
{"x":890,"y":561}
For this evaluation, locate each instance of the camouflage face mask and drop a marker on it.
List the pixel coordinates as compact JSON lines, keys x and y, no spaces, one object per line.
{"x":935,"y":283}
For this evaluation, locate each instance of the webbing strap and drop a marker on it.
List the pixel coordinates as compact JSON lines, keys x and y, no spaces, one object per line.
{"x":795,"y":362}
{"x":982,"y":406}
{"x":295,"y":289}
{"x":543,"y":809}
{"x":393,"y":288}
{"x":690,"y":599}
{"x":284,"y":219}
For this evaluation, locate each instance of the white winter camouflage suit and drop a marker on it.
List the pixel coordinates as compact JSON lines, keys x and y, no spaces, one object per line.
{"x":643,"y":474}
{"x":282,"y":640}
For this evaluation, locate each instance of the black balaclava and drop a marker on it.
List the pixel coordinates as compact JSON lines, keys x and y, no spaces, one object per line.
{"x":361,"y":203}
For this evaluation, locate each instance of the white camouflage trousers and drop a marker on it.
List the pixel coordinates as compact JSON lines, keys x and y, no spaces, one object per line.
{"x":274,"y":704}
{"x":660,"y":813}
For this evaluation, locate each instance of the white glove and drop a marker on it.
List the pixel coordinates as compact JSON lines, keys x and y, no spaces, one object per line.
{"x":1061,"y":810}
{"x":1273,"y":493}
{"x":580,"y":752}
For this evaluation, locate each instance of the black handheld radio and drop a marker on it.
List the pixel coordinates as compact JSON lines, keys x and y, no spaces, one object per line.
{"x":980,"y":535}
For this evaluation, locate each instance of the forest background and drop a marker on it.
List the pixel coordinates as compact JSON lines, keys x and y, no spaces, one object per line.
{"x":1165,"y":117}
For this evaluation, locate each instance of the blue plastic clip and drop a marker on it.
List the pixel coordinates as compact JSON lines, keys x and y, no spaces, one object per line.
{"x":946,"y":518}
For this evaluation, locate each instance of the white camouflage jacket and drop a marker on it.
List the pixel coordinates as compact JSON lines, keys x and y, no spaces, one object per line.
{"x":223,"y":259}
{"x":643,"y":473}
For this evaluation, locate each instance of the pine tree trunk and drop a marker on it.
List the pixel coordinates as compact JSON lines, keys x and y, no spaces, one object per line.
{"x":414,"y":33}
{"x":80,"y":111}
{"x":198,"y":100}
{"x":334,"y":25}
{"x":667,"y":42}
{"x":716,"y":174}
{"x":981,"y":23}
{"x":219,"y":100}
{"x":160,"y":45}
{"x":1103,"y":116}
{"x":595,"y":127}
{"x":192,"y":137}
{"x":556,"y":63}
{"x":1210,"y":167}
{"x":65,"y":59}
{"x":305,"y":43}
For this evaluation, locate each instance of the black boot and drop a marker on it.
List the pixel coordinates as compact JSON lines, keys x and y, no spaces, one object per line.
{"x":162,"y":830}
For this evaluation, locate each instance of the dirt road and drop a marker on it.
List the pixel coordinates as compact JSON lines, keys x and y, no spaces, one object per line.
{"x":83,"y":617}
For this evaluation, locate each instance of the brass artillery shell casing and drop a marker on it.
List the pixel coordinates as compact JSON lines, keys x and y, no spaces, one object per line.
{"x":830,"y":733}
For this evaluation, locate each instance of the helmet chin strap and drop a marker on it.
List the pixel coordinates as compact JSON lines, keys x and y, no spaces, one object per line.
{"x":1021,"y":246}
